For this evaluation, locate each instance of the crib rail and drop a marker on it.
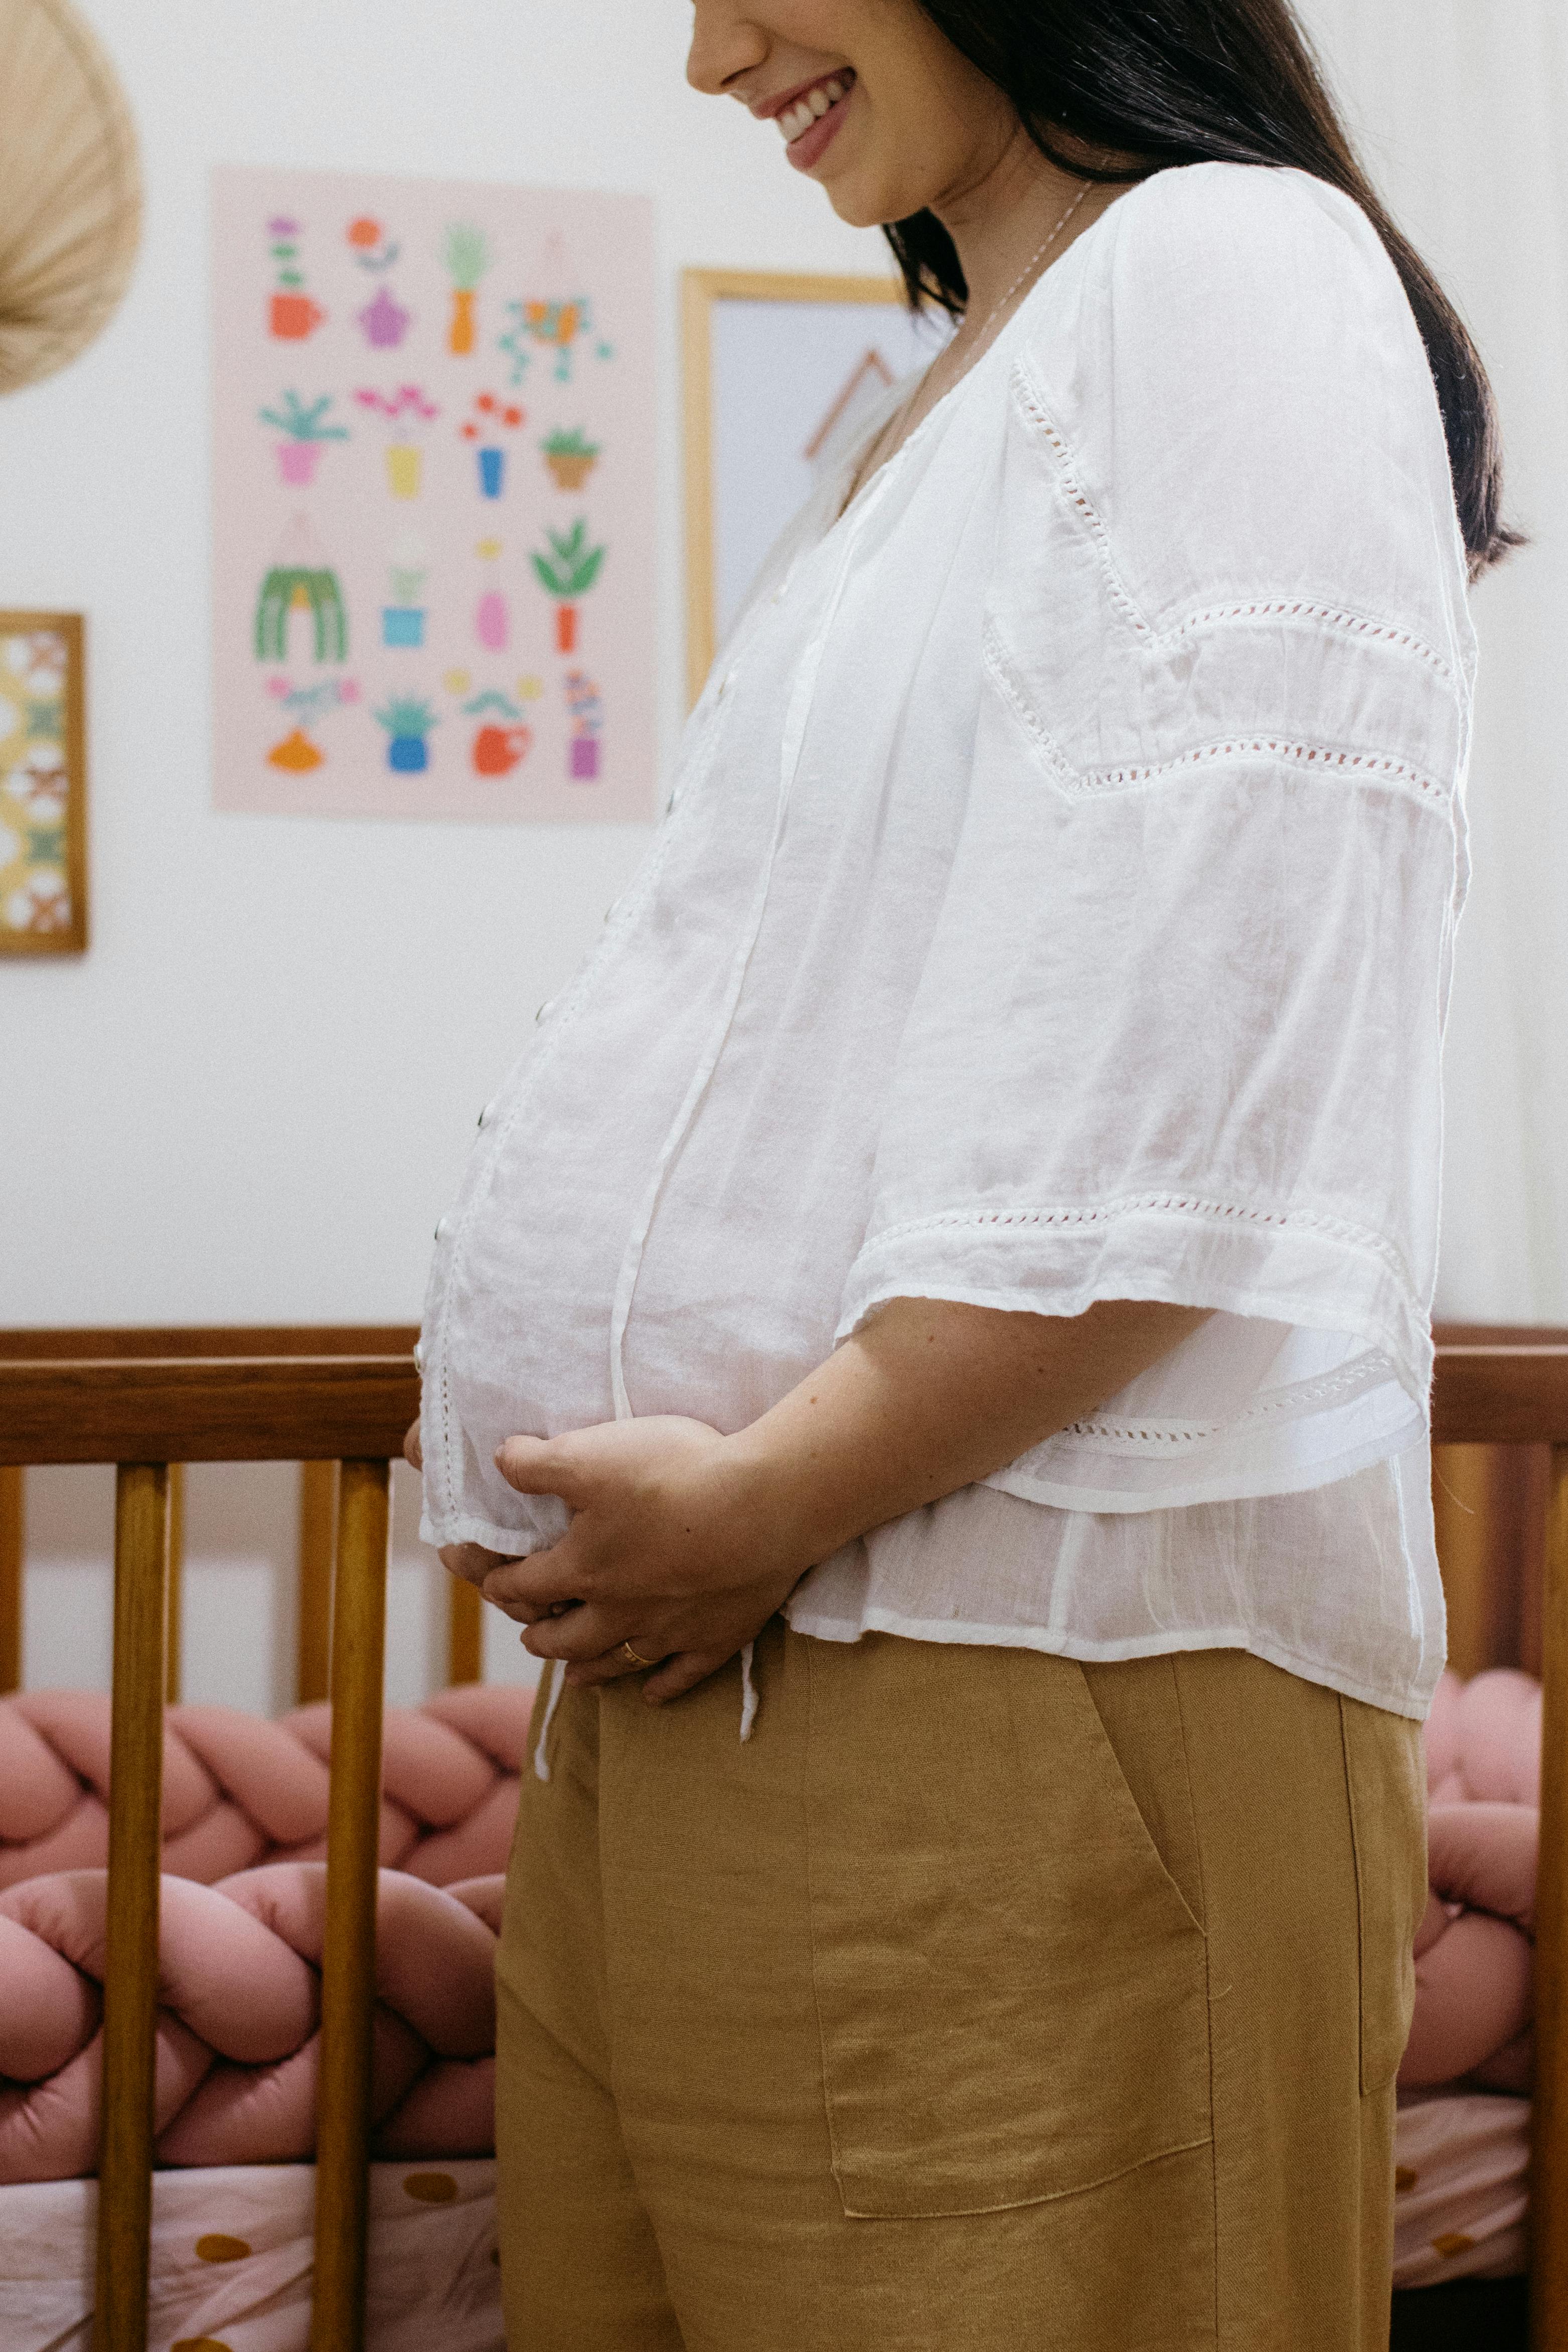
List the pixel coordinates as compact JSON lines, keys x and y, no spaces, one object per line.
{"x":144,"y":1400}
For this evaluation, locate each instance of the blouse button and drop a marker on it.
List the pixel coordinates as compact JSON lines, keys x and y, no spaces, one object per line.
{"x":488,"y":1113}
{"x":443,"y":1229}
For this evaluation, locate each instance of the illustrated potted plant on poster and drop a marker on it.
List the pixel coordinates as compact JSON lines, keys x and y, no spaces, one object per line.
{"x":467,"y":258}
{"x":570,"y":457}
{"x":496,"y":748}
{"x":567,"y":572}
{"x":587,"y":710}
{"x":296,"y":754}
{"x":305,"y":435}
{"x":300,"y":577}
{"x":406,"y":410}
{"x":490,"y":418}
{"x":493,"y":619}
{"x":560,"y":325}
{"x":291,"y":315}
{"x":407,"y":720}
{"x":383,"y":320}
{"x":402,"y":620}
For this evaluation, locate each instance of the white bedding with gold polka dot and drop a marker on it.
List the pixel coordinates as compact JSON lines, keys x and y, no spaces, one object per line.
{"x":1461,"y":2196}
{"x":231,"y":2261}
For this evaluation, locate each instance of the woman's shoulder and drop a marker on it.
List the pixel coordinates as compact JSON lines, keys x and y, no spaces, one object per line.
{"x":1238,"y":381}
{"x":1210,"y":290}
{"x":1255,"y":229}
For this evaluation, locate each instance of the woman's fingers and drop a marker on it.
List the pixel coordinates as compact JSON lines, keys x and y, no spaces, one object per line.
{"x":612,"y":1668}
{"x":472,"y":1562}
{"x":537,"y":1465}
{"x":580,"y":1635}
{"x":537,"y":1586}
{"x":683,"y":1673}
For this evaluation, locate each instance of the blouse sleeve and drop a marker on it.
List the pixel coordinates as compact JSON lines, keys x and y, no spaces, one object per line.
{"x":1178,"y":1035}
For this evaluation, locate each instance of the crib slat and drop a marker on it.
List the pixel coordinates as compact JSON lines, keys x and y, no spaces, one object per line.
{"x":465,"y":1635}
{"x":12,"y":1547}
{"x":1548,"y":2172}
{"x":348,"y":1967}
{"x":130,"y":1956}
{"x":174,"y":1639}
{"x":313,"y":1635}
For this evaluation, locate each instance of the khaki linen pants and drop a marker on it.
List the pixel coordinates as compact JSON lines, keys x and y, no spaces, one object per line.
{"x":982,"y":2002}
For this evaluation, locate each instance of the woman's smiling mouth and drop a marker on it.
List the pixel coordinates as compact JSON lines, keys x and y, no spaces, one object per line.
{"x":809,"y":118}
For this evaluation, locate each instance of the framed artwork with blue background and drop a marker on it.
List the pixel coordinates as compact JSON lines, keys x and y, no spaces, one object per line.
{"x":781,"y":370}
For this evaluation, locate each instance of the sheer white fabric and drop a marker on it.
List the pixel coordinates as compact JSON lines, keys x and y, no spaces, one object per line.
{"x":1338,"y":1584}
{"x":1056,"y":904}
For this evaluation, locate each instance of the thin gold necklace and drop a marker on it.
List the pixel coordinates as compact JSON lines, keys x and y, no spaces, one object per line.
{"x":1035,"y":259}
{"x":902,"y":423}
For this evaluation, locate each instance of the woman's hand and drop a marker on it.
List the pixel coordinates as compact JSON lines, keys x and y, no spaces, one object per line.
{"x":668,"y":1550}
{"x":683,"y":1543}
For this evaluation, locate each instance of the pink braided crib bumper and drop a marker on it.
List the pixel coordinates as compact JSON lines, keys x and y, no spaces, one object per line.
{"x":1461,"y":2200}
{"x":1475,"y":1948}
{"x":239,"y":1790}
{"x":238,"y":2013}
{"x":244,"y":1805}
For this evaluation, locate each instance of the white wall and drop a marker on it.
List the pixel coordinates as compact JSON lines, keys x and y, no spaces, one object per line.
{"x":1461,"y":107}
{"x":250,"y":1100}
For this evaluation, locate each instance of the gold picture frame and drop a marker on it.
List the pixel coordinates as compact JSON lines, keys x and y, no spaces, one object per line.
{"x":701,"y":293}
{"x":43,"y":784}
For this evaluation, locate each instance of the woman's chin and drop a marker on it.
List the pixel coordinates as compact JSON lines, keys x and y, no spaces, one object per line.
{"x":857,"y":204}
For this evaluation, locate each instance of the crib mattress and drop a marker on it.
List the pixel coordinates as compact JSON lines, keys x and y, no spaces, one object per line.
{"x":1461,"y":2190}
{"x":231,"y":2244}
{"x":231,"y":2259}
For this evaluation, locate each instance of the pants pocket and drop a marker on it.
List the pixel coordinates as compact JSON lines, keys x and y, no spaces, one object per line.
{"x":1386,"y":1781}
{"x":1011,"y":1991}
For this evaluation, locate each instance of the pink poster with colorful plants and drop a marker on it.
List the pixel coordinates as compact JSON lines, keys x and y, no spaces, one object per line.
{"x":433,"y":498}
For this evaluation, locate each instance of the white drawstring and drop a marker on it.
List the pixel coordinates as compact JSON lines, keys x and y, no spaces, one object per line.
{"x":542,"y":1761}
{"x":748,"y":1691}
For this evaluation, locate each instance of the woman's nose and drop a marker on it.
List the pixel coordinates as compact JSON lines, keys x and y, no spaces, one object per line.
{"x":725,"y":43}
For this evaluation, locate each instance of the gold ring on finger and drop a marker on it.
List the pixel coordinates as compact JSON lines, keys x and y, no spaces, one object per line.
{"x":636,"y":1657}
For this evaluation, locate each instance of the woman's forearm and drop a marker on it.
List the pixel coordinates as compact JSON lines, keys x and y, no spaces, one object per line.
{"x":931,"y":1396}
{"x":682,"y":1543}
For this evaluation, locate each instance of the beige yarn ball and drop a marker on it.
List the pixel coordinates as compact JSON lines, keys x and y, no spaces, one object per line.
{"x":70,"y":189}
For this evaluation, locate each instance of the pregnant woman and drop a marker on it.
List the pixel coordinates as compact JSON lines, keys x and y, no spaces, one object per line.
{"x":932,"y":1344}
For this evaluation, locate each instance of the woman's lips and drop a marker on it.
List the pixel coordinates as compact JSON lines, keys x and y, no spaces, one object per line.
{"x":813,"y":143}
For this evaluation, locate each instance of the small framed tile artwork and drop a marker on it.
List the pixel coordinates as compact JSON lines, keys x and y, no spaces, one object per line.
{"x":43,"y":785}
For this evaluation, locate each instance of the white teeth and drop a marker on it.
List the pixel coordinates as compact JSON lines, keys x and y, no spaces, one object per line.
{"x":811,"y":108}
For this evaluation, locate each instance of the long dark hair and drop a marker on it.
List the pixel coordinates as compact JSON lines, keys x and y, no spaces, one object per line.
{"x":1155,"y":82}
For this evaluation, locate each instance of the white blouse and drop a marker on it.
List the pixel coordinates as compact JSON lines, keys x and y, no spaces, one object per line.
{"x":1056,"y":903}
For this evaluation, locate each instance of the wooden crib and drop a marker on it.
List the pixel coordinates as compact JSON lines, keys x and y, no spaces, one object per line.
{"x":150,"y":1401}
